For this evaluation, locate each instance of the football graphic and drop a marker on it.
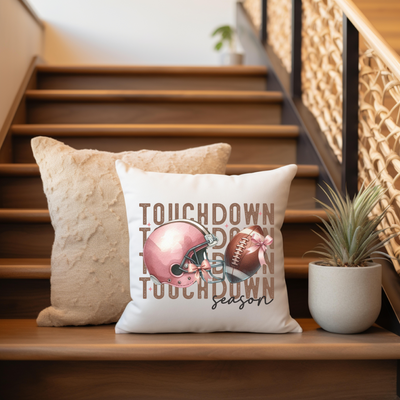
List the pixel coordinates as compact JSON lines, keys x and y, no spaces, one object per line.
{"x":244,"y":253}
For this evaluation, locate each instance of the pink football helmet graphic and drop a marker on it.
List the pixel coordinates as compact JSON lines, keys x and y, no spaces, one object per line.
{"x":176,"y":253}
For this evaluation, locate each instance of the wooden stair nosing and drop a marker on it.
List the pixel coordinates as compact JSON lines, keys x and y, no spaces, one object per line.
{"x":304,"y":171}
{"x":248,"y":70}
{"x":295,"y":268}
{"x":178,"y":96}
{"x":23,"y":340}
{"x":13,"y":215}
{"x":170,"y":130}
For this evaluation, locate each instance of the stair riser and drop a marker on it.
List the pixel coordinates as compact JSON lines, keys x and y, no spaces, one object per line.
{"x":27,"y":192}
{"x":35,"y":240}
{"x":147,"y":82}
{"x":25,"y":298}
{"x":233,"y":380}
{"x":244,"y":151}
{"x":59,"y":112}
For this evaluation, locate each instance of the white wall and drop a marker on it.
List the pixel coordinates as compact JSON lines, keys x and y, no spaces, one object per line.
{"x":21,"y":38}
{"x":158,"y":32}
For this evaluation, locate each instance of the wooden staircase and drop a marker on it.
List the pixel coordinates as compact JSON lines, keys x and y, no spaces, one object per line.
{"x":166,"y":108}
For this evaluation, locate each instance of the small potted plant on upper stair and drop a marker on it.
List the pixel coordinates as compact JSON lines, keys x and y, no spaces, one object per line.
{"x":227,"y":37}
{"x":345,"y":286}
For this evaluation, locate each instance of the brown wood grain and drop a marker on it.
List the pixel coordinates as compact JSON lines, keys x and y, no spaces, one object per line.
{"x":199,"y":380}
{"x":242,"y":70}
{"x":254,"y":150}
{"x":299,"y":238}
{"x":157,"y":130}
{"x":21,"y":192}
{"x":16,"y":270}
{"x":17,"y":112}
{"x":39,"y":268}
{"x":24,"y":292}
{"x":23,"y":298}
{"x":150,"y":81}
{"x":384,"y":16}
{"x":26,"y":240}
{"x":23,"y":340}
{"x":303,"y":171}
{"x":26,"y":216}
{"x":47,"y":112}
{"x":176,"y":96}
{"x":37,"y":216}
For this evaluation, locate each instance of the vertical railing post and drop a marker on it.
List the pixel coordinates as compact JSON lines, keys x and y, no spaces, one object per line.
{"x":263,"y":28}
{"x":350,"y":109}
{"x":295,"y":76}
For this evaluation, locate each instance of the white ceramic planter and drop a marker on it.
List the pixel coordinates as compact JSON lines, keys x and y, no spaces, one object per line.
{"x":343,"y":299}
{"x":231,"y":59}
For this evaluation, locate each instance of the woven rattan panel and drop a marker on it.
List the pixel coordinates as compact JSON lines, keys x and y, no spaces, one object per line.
{"x":253,"y":8}
{"x":279,"y":30}
{"x":379,"y":91}
{"x":322,"y":67}
{"x":379,"y":136}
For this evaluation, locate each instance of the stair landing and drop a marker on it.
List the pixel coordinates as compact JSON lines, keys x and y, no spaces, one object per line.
{"x":22,"y":340}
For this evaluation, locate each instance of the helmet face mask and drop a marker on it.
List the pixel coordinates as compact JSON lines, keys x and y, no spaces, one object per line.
{"x":176,"y":253}
{"x":196,"y":257}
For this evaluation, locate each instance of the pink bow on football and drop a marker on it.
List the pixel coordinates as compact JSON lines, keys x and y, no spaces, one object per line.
{"x":203,"y":268}
{"x":261,"y":244}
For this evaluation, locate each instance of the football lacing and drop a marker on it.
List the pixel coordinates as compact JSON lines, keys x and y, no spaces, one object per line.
{"x":239,"y":249}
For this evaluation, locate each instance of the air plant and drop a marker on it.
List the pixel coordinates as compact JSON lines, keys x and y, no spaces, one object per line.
{"x":351,"y":237}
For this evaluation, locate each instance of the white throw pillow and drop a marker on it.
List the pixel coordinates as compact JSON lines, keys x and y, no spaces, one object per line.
{"x":180,"y":214}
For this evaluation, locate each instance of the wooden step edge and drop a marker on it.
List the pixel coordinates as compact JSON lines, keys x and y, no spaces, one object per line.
{"x":245,"y":70}
{"x":179,"y":96}
{"x":23,"y":340}
{"x":32,"y":216}
{"x":295,"y":268}
{"x":304,"y":216}
{"x":303,"y":171}
{"x":11,"y":215}
{"x":169,"y":130}
{"x":25,"y":271}
{"x":19,"y":170}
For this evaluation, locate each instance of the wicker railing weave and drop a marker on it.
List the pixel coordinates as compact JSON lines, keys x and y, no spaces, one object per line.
{"x":253,"y":9}
{"x":279,"y":14}
{"x":379,"y":95}
{"x":379,"y":136}
{"x":322,"y":68}
{"x":279,"y":31}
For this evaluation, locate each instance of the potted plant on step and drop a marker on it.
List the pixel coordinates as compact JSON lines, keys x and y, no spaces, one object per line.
{"x":345,"y":285}
{"x":227,"y":37}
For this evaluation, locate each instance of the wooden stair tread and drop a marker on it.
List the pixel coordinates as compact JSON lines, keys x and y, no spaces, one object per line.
{"x":117,"y":130}
{"x":13,"y":215}
{"x":39,"y":268}
{"x":304,"y":171}
{"x":202,"y":96}
{"x":245,"y":70}
{"x":23,"y":340}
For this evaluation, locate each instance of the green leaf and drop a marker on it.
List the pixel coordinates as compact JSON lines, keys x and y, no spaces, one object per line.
{"x":218,"y":46}
{"x":350,"y":235}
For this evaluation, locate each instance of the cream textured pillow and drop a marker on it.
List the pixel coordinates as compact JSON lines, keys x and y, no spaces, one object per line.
{"x":181,"y":228}
{"x":89,"y":262}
